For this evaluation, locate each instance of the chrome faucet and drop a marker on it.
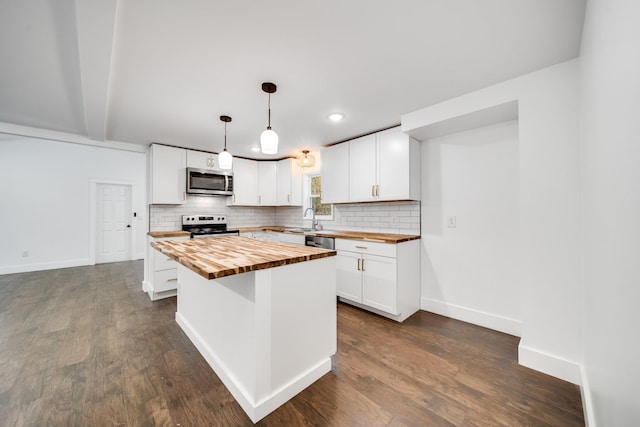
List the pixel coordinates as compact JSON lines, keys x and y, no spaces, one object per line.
{"x":314,"y":223}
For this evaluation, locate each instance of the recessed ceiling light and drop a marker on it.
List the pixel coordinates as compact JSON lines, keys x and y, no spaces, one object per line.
{"x":255,"y":149}
{"x":336,"y":117}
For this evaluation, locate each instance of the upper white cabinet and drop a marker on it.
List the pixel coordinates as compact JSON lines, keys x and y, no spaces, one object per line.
{"x":289,"y":185}
{"x":362,"y":169}
{"x":270,"y":183}
{"x":201,"y":160}
{"x":335,"y":174}
{"x":384,"y":166}
{"x":168,"y":176}
{"x":267,"y":183}
{"x":245,"y":183}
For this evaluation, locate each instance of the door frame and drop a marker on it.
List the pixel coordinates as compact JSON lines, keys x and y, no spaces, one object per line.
{"x":93,"y":204}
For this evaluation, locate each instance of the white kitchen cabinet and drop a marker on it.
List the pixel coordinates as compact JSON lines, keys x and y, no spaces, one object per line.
{"x":297,"y":239}
{"x":245,"y":183}
{"x":289,"y":183}
{"x":335,"y":174}
{"x":384,"y":166}
{"x":362,"y":169}
{"x":168,"y":175}
{"x":267,"y":183}
{"x":201,"y":160}
{"x":380,"y":277}
{"x":160,"y":271}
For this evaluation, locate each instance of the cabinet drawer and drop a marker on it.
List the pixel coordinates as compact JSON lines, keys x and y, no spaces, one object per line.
{"x":163,"y":262}
{"x":373,"y":248}
{"x":165,"y":280}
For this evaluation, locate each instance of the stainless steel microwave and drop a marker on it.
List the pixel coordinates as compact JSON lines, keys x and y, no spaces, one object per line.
{"x":209,"y":182}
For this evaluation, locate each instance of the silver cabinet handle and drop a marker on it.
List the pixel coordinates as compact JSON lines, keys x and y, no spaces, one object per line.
{"x":259,"y":200}
{"x":377,"y":190}
{"x":361,"y":247}
{"x":289,"y":198}
{"x":373,"y":191}
{"x":184,"y":195}
{"x":359,"y":264}
{"x":362,"y":265}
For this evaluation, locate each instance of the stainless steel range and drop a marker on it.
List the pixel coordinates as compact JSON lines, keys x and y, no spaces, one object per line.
{"x":207,"y":225}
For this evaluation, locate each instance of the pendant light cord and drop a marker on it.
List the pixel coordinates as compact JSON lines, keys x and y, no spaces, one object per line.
{"x":269,"y":125}
{"x":225,"y":136}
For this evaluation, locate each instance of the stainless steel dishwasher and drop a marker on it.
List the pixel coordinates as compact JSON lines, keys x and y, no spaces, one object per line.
{"x":319,"y":242}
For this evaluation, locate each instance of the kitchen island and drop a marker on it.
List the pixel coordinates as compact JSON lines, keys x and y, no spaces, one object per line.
{"x":263,"y":314}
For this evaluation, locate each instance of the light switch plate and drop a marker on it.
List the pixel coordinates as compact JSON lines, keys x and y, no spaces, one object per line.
{"x":451,"y":222}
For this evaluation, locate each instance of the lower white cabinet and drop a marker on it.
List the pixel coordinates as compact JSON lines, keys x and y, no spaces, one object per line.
{"x":380,"y":277}
{"x":297,"y":239}
{"x":160,"y":271}
{"x":275,"y":236}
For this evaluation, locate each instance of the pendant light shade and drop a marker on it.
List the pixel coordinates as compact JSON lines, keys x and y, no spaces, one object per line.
{"x":269,"y":142}
{"x":268,"y":138}
{"x":306,"y":160}
{"x":225,"y":159}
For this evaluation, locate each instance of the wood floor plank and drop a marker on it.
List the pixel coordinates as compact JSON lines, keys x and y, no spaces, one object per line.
{"x":85,"y":346}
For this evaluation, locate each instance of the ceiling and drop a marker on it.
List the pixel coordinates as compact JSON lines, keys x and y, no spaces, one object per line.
{"x":164,"y":70}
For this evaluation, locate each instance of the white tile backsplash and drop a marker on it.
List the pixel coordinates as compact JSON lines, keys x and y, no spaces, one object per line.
{"x":383,"y":217}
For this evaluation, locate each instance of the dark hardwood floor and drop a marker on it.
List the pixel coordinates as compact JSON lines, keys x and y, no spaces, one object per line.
{"x":86,"y":347}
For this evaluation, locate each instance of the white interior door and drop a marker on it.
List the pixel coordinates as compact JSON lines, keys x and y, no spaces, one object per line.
{"x":113,"y":222}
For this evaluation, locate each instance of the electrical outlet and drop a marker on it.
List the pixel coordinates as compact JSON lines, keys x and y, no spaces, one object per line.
{"x":25,"y":254}
{"x":451,"y":222}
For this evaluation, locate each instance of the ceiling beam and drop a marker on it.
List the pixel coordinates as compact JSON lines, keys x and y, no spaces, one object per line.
{"x":95,"y":22}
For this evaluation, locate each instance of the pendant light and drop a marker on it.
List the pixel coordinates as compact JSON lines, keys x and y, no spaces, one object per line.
{"x":225,"y":159}
{"x":269,"y":139}
{"x":306,"y":160}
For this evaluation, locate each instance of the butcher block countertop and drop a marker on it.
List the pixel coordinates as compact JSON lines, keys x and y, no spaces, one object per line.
{"x":178,"y":233}
{"x":341,"y":234}
{"x":216,"y":257}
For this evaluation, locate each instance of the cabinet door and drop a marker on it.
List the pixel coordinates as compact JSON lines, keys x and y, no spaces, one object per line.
{"x":394,"y":166}
{"x":245,"y":182}
{"x":297,"y":239}
{"x":348,"y":276}
{"x":379,"y":283}
{"x":168,"y":175}
{"x":201,"y":160}
{"x":362,"y":169}
{"x":335,"y":174}
{"x":289,"y":183}
{"x":267,"y":183}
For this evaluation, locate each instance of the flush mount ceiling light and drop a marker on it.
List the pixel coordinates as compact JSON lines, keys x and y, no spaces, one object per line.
{"x":336,"y":117}
{"x":225,"y":159}
{"x":269,"y":139}
{"x":306,"y":160}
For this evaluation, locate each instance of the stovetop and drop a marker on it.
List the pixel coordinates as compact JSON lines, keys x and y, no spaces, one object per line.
{"x":206,"y":224}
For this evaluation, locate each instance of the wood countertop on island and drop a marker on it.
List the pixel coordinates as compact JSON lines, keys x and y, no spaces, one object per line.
{"x":215,"y":257}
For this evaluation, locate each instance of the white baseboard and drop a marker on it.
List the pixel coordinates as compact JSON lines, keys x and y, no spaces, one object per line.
{"x":477,"y":317}
{"x":549,"y":364}
{"x":587,"y":402}
{"x":255,"y":410}
{"x":24,"y":268}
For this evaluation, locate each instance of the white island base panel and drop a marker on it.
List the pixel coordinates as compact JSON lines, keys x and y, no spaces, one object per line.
{"x":267,"y":334}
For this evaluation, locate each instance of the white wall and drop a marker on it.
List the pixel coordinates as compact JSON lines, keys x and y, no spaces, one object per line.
{"x":549,"y":219}
{"x":470,"y":272}
{"x":45,"y":194}
{"x":610,"y":118}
